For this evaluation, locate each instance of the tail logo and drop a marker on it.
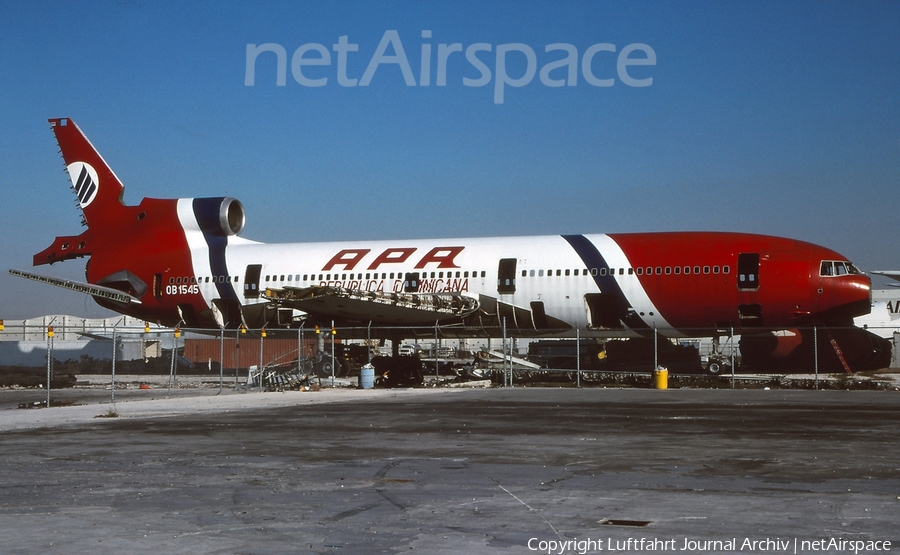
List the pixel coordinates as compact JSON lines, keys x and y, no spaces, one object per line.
{"x":84,"y":181}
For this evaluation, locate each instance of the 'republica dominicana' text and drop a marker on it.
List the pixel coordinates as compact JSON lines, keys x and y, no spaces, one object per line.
{"x":555,"y":65}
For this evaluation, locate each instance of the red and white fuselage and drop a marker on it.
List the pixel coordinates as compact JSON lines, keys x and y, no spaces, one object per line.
{"x":181,"y":260}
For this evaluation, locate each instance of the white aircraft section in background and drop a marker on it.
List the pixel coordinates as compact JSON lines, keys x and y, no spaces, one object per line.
{"x":893,"y":274}
{"x":884,"y":318}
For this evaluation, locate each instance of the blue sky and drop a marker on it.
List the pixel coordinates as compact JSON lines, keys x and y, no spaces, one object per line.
{"x":778,"y":118}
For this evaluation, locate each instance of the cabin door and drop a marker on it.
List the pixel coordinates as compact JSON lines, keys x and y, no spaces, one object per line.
{"x":506,"y":276}
{"x":251,"y":281}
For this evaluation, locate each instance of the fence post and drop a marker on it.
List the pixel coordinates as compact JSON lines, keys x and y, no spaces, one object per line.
{"x":259,"y":369}
{"x":578,"y":356}
{"x":655,"y":350}
{"x":816,"y":353}
{"x":113,"y":388}
{"x":731,"y":350}
{"x":49,"y":359}
{"x":506,"y":375}
{"x":333,"y":360}
{"x":221,"y":358}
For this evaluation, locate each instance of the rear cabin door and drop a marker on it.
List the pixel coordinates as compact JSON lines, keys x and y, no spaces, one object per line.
{"x":251,"y":281}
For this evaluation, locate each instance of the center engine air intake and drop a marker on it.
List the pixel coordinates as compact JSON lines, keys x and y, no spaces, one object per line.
{"x":222,"y":216}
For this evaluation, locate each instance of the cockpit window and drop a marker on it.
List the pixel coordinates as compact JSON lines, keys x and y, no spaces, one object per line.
{"x":837,"y":268}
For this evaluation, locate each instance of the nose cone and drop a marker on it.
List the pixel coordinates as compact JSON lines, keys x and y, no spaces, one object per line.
{"x":843,"y":298}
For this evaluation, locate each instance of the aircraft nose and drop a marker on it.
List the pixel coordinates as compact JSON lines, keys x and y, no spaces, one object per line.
{"x":852,"y":296}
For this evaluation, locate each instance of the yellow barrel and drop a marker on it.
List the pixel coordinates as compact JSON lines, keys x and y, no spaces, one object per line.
{"x":661,"y":378}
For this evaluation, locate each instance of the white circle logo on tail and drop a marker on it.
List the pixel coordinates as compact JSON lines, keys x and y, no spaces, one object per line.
{"x":84,"y":181}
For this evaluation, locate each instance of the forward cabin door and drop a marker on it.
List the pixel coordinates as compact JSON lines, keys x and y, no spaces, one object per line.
{"x":749,"y":309}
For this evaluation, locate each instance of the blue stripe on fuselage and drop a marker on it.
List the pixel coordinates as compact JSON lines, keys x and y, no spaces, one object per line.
{"x":206,"y":210}
{"x":592,"y":258}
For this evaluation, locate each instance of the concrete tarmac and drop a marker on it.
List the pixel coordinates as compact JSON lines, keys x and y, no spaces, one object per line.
{"x":517,"y":470}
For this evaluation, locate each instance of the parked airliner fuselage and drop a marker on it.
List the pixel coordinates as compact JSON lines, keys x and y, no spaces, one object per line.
{"x":182,"y":261}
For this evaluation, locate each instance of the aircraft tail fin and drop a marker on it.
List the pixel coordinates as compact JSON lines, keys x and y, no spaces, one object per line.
{"x":98,"y":190}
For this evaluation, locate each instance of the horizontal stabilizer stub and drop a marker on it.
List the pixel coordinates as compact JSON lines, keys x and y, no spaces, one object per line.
{"x":90,"y":289}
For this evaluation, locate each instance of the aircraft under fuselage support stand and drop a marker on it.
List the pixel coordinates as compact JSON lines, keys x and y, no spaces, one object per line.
{"x":182,"y":261}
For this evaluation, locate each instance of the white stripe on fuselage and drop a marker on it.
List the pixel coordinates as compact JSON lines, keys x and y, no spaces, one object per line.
{"x":199,"y":250}
{"x":563,"y":297}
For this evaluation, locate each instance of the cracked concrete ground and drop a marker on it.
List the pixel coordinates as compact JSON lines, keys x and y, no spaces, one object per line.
{"x":451,"y":471}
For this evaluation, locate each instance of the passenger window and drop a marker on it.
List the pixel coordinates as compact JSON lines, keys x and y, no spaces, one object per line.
{"x":696,"y":269}
{"x":540,"y":273}
{"x":659,"y":270}
{"x":677,"y":270}
{"x":630,"y":271}
{"x":567,"y":272}
{"x":726,"y":269}
{"x":668,"y":270}
{"x":602,"y":271}
{"x":640,"y":271}
{"x":715,"y":269}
